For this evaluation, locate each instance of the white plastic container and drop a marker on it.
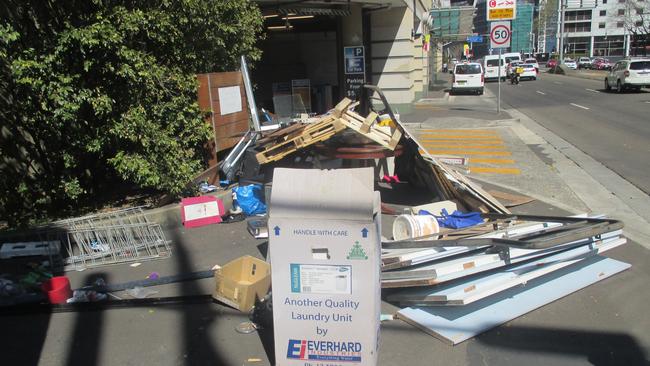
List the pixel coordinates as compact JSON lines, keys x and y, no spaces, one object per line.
{"x":414,"y":226}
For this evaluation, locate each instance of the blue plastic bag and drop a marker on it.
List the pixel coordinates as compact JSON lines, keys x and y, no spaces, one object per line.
{"x":249,"y":198}
{"x":456,"y":220}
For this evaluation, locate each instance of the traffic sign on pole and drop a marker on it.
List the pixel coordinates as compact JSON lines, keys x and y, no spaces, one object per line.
{"x":500,"y":34}
{"x":501,"y":10}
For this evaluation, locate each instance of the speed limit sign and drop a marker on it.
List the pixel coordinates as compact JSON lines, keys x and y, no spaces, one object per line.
{"x":500,"y":34}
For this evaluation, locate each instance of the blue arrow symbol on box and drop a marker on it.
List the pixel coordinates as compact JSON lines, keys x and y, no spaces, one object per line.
{"x":276,"y":230}
{"x":364,"y":232}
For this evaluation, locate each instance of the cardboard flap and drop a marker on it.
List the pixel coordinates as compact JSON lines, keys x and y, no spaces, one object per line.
{"x":341,"y":194}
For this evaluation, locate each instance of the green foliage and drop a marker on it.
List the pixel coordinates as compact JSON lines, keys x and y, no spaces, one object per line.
{"x":96,"y":94}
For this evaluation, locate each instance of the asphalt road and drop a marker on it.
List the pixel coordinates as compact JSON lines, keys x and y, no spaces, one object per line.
{"x":612,"y":128}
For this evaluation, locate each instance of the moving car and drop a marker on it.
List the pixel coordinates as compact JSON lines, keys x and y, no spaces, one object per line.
{"x":533,"y":62}
{"x":452,"y":65}
{"x":529,"y":72}
{"x":629,"y":74}
{"x":584,"y":63}
{"x":491,"y":64}
{"x":468,"y":77}
{"x":551,"y":63}
{"x":570,"y":63}
{"x":511,"y":56}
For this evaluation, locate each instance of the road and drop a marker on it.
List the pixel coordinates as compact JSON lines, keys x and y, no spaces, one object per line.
{"x":612,"y":128}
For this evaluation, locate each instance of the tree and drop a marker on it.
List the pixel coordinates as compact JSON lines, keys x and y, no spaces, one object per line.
{"x":635,"y":18}
{"x":95,"y":94}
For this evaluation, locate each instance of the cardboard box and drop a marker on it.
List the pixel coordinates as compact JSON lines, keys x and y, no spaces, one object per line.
{"x":240,"y":282}
{"x":325,"y":249}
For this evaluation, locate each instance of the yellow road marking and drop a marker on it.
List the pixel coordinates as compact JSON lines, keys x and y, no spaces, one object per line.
{"x":479,"y":142}
{"x":475,"y":132}
{"x":464,"y":152}
{"x":460,"y":137}
{"x":514,"y":171}
{"x":492,"y":161}
{"x":459,"y":146}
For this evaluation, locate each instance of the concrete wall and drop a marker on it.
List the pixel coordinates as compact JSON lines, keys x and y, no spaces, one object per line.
{"x":399,"y":66}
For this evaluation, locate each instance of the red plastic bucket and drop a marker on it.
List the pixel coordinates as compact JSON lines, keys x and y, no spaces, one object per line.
{"x":57,"y":289}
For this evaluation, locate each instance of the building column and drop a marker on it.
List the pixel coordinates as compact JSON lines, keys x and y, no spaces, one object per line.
{"x":626,"y":44}
{"x":396,"y":57}
{"x":591,"y":46}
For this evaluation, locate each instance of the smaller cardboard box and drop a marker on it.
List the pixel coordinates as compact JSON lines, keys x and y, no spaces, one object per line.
{"x":241,"y":281}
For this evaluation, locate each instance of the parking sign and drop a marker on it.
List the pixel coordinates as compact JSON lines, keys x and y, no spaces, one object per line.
{"x":501,"y":10}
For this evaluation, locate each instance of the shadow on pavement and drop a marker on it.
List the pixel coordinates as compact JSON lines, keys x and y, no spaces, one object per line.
{"x":599,"y":348}
{"x":198,"y":347}
{"x":84,"y":345}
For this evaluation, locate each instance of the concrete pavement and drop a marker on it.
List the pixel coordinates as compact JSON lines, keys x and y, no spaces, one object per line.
{"x":604,"y":324}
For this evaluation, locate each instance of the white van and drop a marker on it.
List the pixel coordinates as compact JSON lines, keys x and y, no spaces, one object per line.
{"x":468,"y":76}
{"x":491,"y":66}
{"x":511,"y":57}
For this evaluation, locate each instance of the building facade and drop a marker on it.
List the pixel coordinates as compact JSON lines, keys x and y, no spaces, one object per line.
{"x":306,"y":43}
{"x":603,"y":27}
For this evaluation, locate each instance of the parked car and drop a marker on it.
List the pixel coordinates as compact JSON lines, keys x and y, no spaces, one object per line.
{"x":551,"y":63}
{"x":468,"y":77}
{"x":629,"y":74}
{"x":452,"y":65}
{"x":529,"y":72}
{"x":570,"y":63}
{"x":533,"y":62}
{"x":584,"y":63}
{"x":601,"y":64}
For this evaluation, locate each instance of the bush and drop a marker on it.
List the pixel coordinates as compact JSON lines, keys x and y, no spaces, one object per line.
{"x":98,"y":94}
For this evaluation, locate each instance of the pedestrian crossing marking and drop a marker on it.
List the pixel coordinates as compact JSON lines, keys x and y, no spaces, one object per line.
{"x":477,"y":169}
{"x":487,"y":151}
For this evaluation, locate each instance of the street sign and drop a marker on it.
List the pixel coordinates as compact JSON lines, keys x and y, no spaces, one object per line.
{"x":355,"y":71}
{"x":475,"y":39}
{"x":354,"y":60}
{"x":501,"y":10}
{"x":500,"y":34}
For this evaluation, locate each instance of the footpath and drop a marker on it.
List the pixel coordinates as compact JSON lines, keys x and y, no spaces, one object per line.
{"x":605,"y":324}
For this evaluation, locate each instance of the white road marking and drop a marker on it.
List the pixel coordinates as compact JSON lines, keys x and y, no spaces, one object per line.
{"x":579,"y":106}
{"x":592,"y":90}
{"x":647,"y":101}
{"x":540,"y":92}
{"x":557,"y":82}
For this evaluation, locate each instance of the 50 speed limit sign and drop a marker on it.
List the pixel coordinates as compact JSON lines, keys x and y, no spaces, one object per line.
{"x":500,"y":34}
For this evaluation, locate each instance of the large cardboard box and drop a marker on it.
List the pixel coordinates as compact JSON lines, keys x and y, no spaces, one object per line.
{"x":325,"y":248}
{"x":241,"y":281}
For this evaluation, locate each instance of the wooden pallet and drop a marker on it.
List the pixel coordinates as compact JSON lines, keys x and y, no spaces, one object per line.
{"x":300,"y":138}
{"x":367,"y":126}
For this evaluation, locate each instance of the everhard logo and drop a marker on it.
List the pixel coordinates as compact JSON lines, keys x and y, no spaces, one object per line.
{"x":302,"y":349}
{"x":357,"y":252}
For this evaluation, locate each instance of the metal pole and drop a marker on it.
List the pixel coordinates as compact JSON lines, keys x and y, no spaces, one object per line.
{"x":499,"y":83}
{"x":249,"y":95}
{"x":561,"y":32}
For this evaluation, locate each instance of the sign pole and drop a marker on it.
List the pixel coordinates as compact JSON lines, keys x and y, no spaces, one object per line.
{"x":499,"y":83}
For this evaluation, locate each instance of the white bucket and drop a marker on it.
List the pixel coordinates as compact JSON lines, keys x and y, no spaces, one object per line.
{"x":414,"y":226}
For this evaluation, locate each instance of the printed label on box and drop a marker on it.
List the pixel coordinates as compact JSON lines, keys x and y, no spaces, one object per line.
{"x":321,"y":279}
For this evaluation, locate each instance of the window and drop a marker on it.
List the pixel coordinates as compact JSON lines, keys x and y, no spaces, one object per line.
{"x":468,"y":69}
{"x":603,"y":13}
{"x":494,"y":62}
{"x":619,"y":24}
{"x":621,"y":11}
{"x":621,"y":1}
{"x":601,"y":25}
{"x":640,"y":65}
{"x":604,"y":1}
{"x":638,"y":23}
